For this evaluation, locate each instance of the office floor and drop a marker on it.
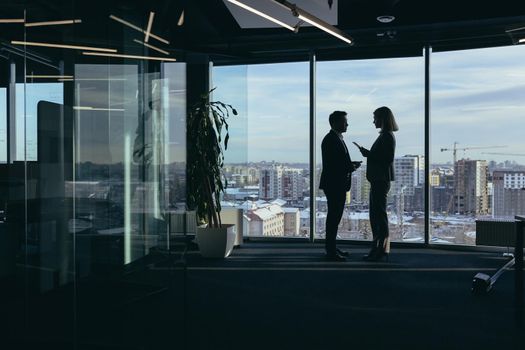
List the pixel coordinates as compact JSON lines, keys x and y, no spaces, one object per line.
{"x":285,"y":296}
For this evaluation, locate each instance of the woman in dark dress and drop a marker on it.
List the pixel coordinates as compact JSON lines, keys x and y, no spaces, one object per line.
{"x":380,"y":172}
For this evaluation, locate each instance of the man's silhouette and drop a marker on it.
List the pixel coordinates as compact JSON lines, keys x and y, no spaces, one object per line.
{"x":335,"y":179}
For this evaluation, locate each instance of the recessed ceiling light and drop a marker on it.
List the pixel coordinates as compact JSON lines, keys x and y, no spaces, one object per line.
{"x":33,"y":76}
{"x":61,"y":46}
{"x":89,"y":108}
{"x":263,"y":15}
{"x":386,"y":19}
{"x":151,"y":47}
{"x":129,"y":56}
{"x":181,"y":19}
{"x":304,"y":16}
{"x":12,"y":20}
{"x":148,"y":28}
{"x":115,"y":18}
{"x":53,"y":23}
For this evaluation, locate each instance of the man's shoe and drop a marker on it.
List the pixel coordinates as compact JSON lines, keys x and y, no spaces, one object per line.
{"x":335,"y":257}
{"x":342,"y":252}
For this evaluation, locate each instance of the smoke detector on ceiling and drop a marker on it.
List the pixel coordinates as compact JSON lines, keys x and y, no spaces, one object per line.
{"x":386,"y":19}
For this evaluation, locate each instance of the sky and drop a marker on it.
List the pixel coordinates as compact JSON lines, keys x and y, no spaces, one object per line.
{"x":27,"y":104}
{"x":477,"y":100}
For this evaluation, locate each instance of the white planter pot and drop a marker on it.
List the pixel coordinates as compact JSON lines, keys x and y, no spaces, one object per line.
{"x":234,"y":216}
{"x":216,"y":242}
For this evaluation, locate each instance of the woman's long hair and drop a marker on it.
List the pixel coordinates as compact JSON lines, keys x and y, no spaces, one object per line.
{"x":388,"y":122}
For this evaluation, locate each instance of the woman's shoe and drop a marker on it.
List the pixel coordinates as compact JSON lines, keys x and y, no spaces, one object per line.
{"x":382,"y":250}
{"x":372,"y":251}
{"x":378,"y":256}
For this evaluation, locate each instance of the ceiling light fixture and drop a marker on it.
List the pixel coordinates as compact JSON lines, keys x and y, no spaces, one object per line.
{"x":49,"y":76}
{"x":12,"y":20}
{"x":514,"y":29}
{"x":61,"y":46}
{"x":148,"y":28}
{"x":315,"y":21}
{"x":385,"y":18}
{"x":319,"y":23}
{"x":53,"y":23}
{"x":257,"y":12}
{"x":126,"y":23}
{"x":100,"y":79}
{"x":152,"y":47}
{"x":521,"y":41}
{"x":180,"y":22}
{"x":129,"y":56}
{"x":88,"y":108}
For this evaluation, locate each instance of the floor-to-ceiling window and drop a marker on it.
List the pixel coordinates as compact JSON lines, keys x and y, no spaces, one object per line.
{"x":477,"y":151}
{"x":359,"y":87}
{"x":267,"y":167}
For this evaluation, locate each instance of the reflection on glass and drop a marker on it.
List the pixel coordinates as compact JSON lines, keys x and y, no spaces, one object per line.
{"x":359,"y":87}
{"x":27,"y":97}
{"x":3,"y":125}
{"x":478,"y":162}
{"x":97,"y":165}
{"x":267,"y":163}
{"x":175,"y":138}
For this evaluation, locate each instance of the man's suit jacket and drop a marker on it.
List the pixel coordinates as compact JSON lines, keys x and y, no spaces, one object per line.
{"x":380,"y":158}
{"x":337,"y":164}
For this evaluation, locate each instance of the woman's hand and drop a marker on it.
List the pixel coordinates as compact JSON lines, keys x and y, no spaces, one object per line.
{"x":364,"y":151}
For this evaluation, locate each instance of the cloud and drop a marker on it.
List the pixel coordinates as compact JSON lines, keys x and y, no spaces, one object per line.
{"x":477,"y":98}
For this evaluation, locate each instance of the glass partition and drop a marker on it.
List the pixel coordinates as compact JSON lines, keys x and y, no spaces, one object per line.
{"x":359,"y":87}
{"x":92,"y":157}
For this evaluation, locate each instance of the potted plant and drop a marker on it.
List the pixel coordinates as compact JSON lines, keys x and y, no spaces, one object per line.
{"x":207,"y":122}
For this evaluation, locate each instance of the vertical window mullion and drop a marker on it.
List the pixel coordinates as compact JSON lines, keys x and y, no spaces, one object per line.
{"x":313,"y":189}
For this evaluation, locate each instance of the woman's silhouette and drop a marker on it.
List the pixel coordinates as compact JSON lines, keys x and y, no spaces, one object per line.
{"x":380,"y":172}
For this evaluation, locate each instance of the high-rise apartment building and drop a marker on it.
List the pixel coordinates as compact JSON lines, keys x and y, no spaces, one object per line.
{"x":509,"y":193}
{"x":360,"y":186}
{"x":409,"y":172}
{"x":281,"y":182}
{"x":471,"y":187}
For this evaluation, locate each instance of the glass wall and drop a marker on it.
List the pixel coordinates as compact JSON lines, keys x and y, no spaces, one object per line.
{"x":93,"y":159}
{"x":478,"y":159}
{"x":267,"y":165}
{"x":359,"y":87}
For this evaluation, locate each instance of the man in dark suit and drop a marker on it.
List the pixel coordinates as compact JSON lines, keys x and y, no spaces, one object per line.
{"x":335,"y":180}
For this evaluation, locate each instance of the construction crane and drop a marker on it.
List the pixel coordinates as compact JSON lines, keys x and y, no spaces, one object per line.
{"x":505,"y":154}
{"x":455,"y":150}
